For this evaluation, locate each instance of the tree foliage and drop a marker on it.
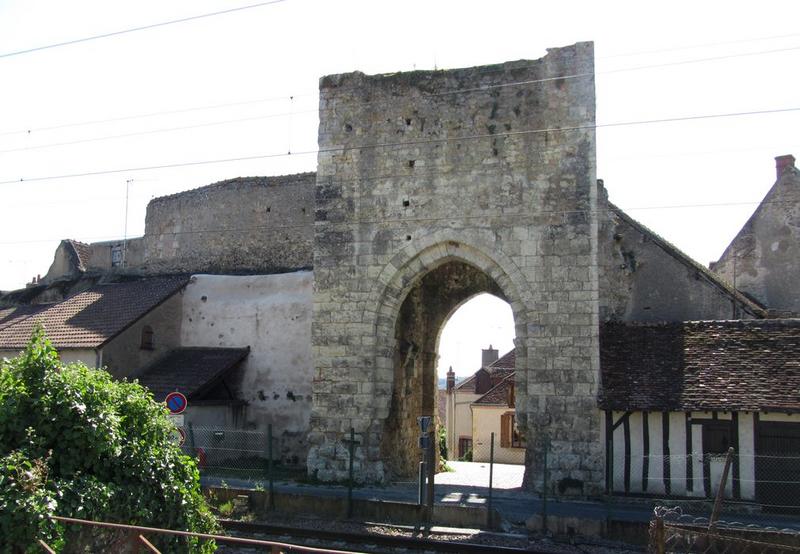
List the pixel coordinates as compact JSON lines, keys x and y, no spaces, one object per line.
{"x":75,"y":442}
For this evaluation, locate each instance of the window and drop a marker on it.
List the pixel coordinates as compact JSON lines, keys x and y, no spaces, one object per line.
{"x":464,"y":447}
{"x":147,"y":338}
{"x":116,"y":255}
{"x":717,"y":437}
{"x":510,"y":437}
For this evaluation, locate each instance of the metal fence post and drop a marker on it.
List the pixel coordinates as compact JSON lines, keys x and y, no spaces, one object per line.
{"x":270,"y":477}
{"x":350,"y":469}
{"x":712,"y":523}
{"x":491,"y":475}
{"x":191,"y":438}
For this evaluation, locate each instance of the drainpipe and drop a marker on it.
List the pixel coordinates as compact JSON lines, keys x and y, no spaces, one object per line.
{"x":98,"y":358}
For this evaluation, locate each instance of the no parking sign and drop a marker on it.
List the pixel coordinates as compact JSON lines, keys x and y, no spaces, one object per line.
{"x":176,"y":402}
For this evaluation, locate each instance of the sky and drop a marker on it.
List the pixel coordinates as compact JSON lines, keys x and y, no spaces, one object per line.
{"x":244,"y":84}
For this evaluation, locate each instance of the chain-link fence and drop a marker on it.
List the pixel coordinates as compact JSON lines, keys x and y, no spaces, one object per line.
{"x":229,"y":453}
{"x":768,"y":483}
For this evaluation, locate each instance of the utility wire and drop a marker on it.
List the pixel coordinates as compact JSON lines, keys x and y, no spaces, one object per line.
{"x":135,"y":29}
{"x":155,"y":131}
{"x":150,"y":114}
{"x":460,"y":217}
{"x":419,"y":142}
{"x":384,"y":102}
{"x":696,"y":46}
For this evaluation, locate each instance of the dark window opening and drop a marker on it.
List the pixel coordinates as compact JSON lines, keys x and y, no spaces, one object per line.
{"x":464,"y":447}
{"x":717,"y":437}
{"x":148,"y":342}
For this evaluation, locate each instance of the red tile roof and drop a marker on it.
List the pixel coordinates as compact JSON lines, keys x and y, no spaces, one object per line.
{"x":498,"y":395}
{"x":192,"y":371}
{"x":750,"y":365}
{"x":12,"y":315}
{"x":82,"y":253}
{"x":91,"y":318}
{"x":498,"y":369}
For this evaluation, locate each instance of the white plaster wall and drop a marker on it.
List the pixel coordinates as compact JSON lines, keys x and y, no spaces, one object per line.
{"x":461,"y":425}
{"x":655,"y":477}
{"x":272,"y":315}
{"x":485,"y":421}
{"x":72,"y":355}
{"x":679,"y":457}
{"x":677,"y":452}
{"x":9,"y":353}
{"x":747,"y":471}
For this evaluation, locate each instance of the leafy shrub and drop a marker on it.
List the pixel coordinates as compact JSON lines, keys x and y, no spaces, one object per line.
{"x":74,"y":442}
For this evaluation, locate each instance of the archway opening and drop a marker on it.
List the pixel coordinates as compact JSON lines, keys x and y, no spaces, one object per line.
{"x":476,"y":381}
{"x":425,"y":310}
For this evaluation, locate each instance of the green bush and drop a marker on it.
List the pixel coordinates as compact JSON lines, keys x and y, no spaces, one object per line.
{"x":74,"y":442}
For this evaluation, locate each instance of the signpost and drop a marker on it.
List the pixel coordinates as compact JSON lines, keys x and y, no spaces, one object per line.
{"x":176,"y":404}
{"x":426,"y":444}
{"x":179,"y":436}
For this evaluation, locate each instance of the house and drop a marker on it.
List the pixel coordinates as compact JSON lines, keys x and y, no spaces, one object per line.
{"x":483,"y":404}
{"x":121,"y":325}
{"x":237,"y":346}
{"x":763,"y":259}
{"x":676,"y":396}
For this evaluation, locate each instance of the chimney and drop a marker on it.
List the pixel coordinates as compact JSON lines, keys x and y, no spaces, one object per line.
{"x":488,"y":356}
{"x":782,"y":162}
{"x":451,"y":379}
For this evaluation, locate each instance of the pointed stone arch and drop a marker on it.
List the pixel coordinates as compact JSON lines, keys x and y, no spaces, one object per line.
{"x":417,"y":268}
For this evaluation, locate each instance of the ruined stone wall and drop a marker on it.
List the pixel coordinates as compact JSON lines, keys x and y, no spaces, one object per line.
{"x":416,"y":170}
{"x":244,"y":225}
{"x":764,"y":258}
{"x":644,"y":278}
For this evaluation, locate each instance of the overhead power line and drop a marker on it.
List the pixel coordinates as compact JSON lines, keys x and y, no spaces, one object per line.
{"x":155,"y":131}
{"x":136,"y":29}
{"x":486,"y":88}
{"x":419,"y":142}
{"x":413,"y":219}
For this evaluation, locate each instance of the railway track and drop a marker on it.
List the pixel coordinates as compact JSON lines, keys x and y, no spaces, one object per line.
{"x":364,"y":542}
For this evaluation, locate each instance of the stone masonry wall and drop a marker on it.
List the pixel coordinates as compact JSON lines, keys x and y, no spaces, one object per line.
{"x":644,"y":278}
{"x":764,"y":258}
{"x":490,"y":166}
{"x":244,"y":225}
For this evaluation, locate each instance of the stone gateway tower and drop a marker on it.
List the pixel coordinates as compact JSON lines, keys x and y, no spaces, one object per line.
{"x":432,"y":187}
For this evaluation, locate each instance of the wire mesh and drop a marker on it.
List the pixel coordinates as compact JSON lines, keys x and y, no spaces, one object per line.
{"x":755,"y":483}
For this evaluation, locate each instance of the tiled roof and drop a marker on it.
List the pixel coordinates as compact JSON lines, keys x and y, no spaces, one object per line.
{"x":498,"y":369}
{"x":82,"y":252}
{"x":15,"y":314}
{"x":89,"y":319}
{"x":192,"y":371}
{"x":499,"y":394}
{"x":749,"y":365}
{"x":506,"y":361}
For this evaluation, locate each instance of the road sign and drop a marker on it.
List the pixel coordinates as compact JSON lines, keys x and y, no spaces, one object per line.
{"x":179,"y":436}
{"x":176,"y":402}
{"x":424,"y":423}
{"x":424,"y":442}
{"x":176,"y":419}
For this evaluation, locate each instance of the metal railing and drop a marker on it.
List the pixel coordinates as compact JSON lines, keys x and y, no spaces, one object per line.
{"x":134,"y":535}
